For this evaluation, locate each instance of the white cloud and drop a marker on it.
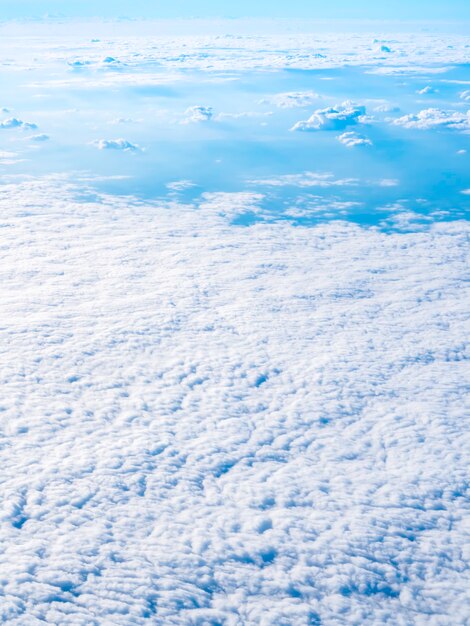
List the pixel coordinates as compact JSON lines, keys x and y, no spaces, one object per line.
{"x":13,"y":122}
{"x":124,"y":120}
{"x":198,"y":114}
{"x":466,"y":192}
{"x":427,"y":90}
{"x":351,"y":140}
{"x":408,"y":221}
{"x":292,"y":99}
{"x":387,"y":108}
{"x":389,"y":182}
{"x":308,"y":47}
{"x":180,"y":185}
{"x":435,"y":118}
{"x":306,"y":179}
{"x":231,"y":204}
{"x":412,"y":69}
{"x":243,"y":115}
{"x":333,"y":118}
{"x":108,"y":60}
{"x":116,"y":144}
{"x":465,"y":95}
{"x":205,"y":424}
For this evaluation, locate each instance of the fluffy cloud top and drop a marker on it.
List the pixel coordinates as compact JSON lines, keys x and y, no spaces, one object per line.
{"x":116,"y":144}
{"x":333,"y":118}
{"x":352,"y":139}
{"x":206,"y":425}
{"x":435,"y":118}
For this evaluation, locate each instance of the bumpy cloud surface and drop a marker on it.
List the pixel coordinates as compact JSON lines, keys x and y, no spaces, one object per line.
{"x":204,"y":424}
{"x":333,"y":118}
{"x":436,"y":118}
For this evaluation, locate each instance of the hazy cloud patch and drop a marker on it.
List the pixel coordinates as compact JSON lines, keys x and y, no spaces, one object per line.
{"x":116,"y":144}
{"x":352,"y":139}
{"x":198,"y":114}
{"x":292,"y":100}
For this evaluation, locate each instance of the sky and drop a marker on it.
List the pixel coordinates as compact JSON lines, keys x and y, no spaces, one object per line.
{"x":344,"y":9}
{"x":234,"y":301}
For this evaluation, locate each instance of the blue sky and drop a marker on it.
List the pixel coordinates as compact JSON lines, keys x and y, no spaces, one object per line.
{"x":358,"y":9}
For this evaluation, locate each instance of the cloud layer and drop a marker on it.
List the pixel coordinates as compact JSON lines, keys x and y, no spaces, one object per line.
{"x":204,"y":424}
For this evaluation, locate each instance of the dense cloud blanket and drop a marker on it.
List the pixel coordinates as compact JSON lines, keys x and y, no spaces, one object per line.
{"x":209,"y":424}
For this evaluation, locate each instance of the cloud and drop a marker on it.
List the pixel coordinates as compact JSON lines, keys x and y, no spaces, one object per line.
{"x":389,"y":182}
{"x":198,"y":114}
{"x":208,"y":424}
{"x":38,"y":138}
{"x":387,"y":108}
{"x":231,"y":204}
{"x":408,"y":221}
{"x":116,"y":144}
{"x":351,"y":140}
{"x":427,"y":90}
{"x":384,"y":49}
{"x":332,"y":118}
{"x":412,"y":69}
{"x":306,"y":179}
{"x":243,"y":115}
{"x":465,"y":95}
{"x":175,"y":48}
{"x":180,"y":185}
{"x":13,"y":122}
{"x":9,"y":158}
{"x":292,"y":99}
{"x":105,"y":62}
{"x":435,"y":118}
{"x":124,"y":120}
{"x":466,"y":192}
